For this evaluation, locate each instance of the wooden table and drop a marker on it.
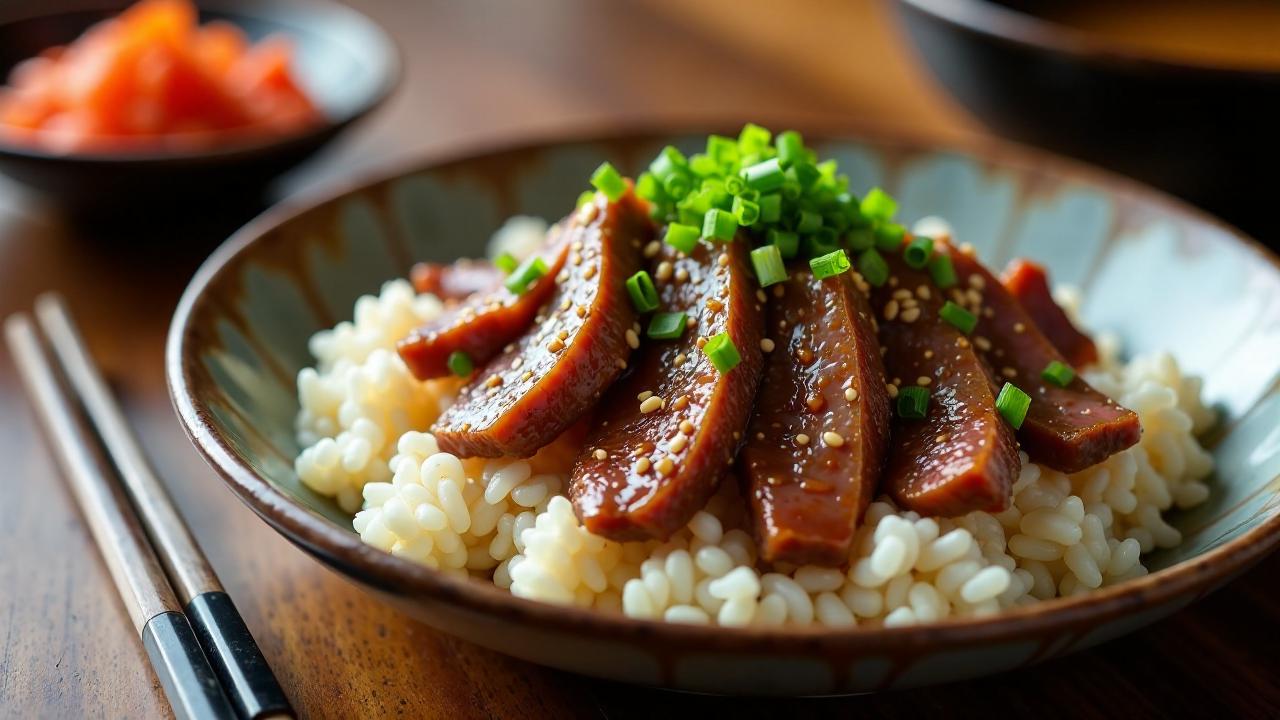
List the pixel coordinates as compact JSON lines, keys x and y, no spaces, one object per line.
{"x":478,"y":72}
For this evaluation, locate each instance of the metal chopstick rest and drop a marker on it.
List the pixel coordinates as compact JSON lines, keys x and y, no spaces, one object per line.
{"x":189,"y":682}
{"x":232,"y":652}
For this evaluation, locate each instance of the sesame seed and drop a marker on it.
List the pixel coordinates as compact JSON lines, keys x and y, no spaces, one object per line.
{"x":588,"y":212}
{"x":910,"y":315}
{"x":983,"y":344}
{"x":891,"y":389}
{"x":766,"y":345}
{"x":528,"y":375}
{"x":562,"y":275}
{"x":664,"y":270}
{"x":682,"y":275}
{"x":850,"y":394}
{"x":564,"y":304}
{"x":976,"y":281}
{"x":759,"y":436}
{"x":686,"y":427}
{"x":773,"y":480}
{"x":968,"y":249}
{"x":679,"y":360}
{"x":1019,"y":327}
{"x":901,"y":294}
{"x":891,"y":310}
{"x":715,"y":305}
{"x":581,"y":311}
{"x":723,"y":259}
{"x":701,"y":342}
{"x":1008,"y":372}
{"x":893,"y":281}
{"x":633,"y":340}
{"x":987,"y":312}
{"x":493,"y":381}
{"x":589,"y":272}
{"x":556,"y":345}
{"x":576,"y":258}
{"x":563,"y":334}
{"x":622,"y":364}
{"x":600,"y":454}
{"x":962,"y":342}
{"x":761,"y":296}
{"x":681,"y":402}
{"x":515,"y":364}
{"x":651,"y":404}
{"x":576,"y":245}
{"x":834,"y":439}
{"x":779,"y":290}
{"x":923,"y":380}
{"x":928,"y":354}
{"x":814,"y":402}
{"x":642,"y":466}
{"x":652,"y":249}
{"x":923,"y":292}
{"x":678,"y":443}
{"x":802,"y":439}
{"x":644,"y":395}
{"x":942,"y":438}
{"x":664,"y":466}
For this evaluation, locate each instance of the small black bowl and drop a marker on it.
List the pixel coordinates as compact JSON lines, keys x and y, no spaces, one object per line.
{"x":345,"y":62}
{"x":1205,"y":132}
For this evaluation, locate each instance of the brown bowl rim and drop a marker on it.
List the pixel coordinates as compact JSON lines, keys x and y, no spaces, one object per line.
{"x":344,"y":550}
{"x":1005,"y":24}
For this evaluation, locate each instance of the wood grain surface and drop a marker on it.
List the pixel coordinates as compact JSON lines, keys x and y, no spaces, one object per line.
{"x":480,"y":72}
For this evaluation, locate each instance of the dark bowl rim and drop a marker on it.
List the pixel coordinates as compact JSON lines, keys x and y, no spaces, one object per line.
{"x":390,"y":74}
{"x":343,"y":549}
{"x":995,"y":21}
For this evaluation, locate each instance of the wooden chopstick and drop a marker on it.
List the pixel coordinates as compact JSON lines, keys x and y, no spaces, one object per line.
{"x":235,"y":657}
{"x":188,"y":681}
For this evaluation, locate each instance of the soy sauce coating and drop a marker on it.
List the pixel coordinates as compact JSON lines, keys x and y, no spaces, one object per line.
{"x":456,"y":280}
{"x":817,"y":441}
{"x":577,"y":346}
{"x":1029,"y":284}
{"x":1067,"y":428}
{"x":485,"y":322}
{"x":665,"y":434}
{"x":962,"y":456}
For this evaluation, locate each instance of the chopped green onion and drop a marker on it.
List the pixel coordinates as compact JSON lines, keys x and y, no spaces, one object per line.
{"x":702,"y":164}
{"x":746,"y":211}
{"x":809,"y":222}
{"x":913,"y":402}
{"x":722,"y":149}
{"x":719,"y":225}
{"x":1013,"y":404}
{"x":649,"y":188}
{"x":942,"y":271}
{"x":1058,"y":373}
{"x":676,"y":185}
{"x":861,"y":239}
{"x":607,"y":180}
{"x":788,"y":242}
{"x":873,"y":268}
{"x":764,"y":176}
{"x":670,"y":161}
{"x":889,"y":236}
{"x":804,"y":173}
{"x":753,"y":139}
{"x":770,"y":207}
{"x":682,"y":237}
{"x":917,"y":252}
{"x":767,"y":260}
{"x":722,"y":352}
{"x":878,"y":205}
{"x":829,"y":265}
{"x":822,"y":242}
{"x":585,"y":197}
{"x":667,"y":325}
{"x":958,"y":317}
{"x":644,"y":296}
{"x":735,"y":185}
{"x":460,"y":363}
{"x":506,"y":262}
{"x":790,"y":147}
{"x":527,"y":274}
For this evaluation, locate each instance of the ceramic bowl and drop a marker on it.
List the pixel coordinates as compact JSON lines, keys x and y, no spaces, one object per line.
{"x":344,"y":61}
{"x":1199,"y":130}
{"x":1157,"y":273}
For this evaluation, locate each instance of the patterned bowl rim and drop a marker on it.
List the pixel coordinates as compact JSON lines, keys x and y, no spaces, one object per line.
{"x":344,"y":550}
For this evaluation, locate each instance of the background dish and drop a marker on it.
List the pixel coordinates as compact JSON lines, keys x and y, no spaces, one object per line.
{"x":240,"y":336}
{"x":346,"y":63}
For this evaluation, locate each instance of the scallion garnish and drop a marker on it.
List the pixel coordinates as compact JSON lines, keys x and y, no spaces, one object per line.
{"x":527,"y":274}
{"x":767,"y":260}
{"x":1058,"y":373}
{"x":682,"y":237}
{"x":770,"y":208}
{"x":506,"y":262}
{"x":942,"y":271}
{"x":746,"y":211}
{"x":958,"y":317}
{"x":889,"y":236}
{"x":790,"y":147}
{"x":667,"y":325}
{"x":830,"y":265}
{"x":607,"y":180}
{"x":753,"y":139}
{"x":719,"y":225}
{"x":644,"y":296}
{"x":878,"y":205}
{"x":765,"y":176}
{"x":809,"y":222}
{"x":669,"y":162}
{"x":873,"y":268}
{"x":649,"y":187}
{"x":860,"y":239}
{"x":1013,"y":404}
{"x":917,"y":252}
{"x":722,"y":352}
{"x":460,"y":363}
{"x":788,"y":242}
{"x":913,"y":402}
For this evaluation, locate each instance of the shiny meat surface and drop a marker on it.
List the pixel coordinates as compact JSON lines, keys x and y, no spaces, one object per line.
{"x":807,"y":488}
{"x":1029,"y":285}
{"x":456,"y":280}
{"x":962,"y":455}
{"x":484,"y":323}
{"x":577,"y":347}
{"x":1067,"y":428}
{"x":666,"y":434}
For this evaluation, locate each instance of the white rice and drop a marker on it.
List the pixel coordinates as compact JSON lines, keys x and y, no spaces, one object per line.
{"x":506,"y":521}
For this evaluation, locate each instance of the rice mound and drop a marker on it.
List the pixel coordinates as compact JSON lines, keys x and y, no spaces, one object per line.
{"x":363,"y":420}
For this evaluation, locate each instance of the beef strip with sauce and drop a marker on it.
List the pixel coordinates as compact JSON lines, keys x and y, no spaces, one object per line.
{"x":817,"y":441}
{"x":1067,"y":428}
{"x":666,"y":433}
{"x":559,"y":368}
{"x":456,"y":280}
{"x":962,"y":456}
{"x":1029,"y":284}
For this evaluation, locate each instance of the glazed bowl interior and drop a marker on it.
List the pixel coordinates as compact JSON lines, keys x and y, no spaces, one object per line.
{"x":343,"y":60}
{"x":1154,"y":272}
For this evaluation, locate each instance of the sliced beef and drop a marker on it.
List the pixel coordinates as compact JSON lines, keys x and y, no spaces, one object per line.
{"x":806,"y":488}
{"x":456,"y":280}
{"x":559,"y":368}
{"x":1067,"y":428}
{"x":485,"y":322}
{"x":646,"y":470}
{"x":962,"y":456}
{"x":1029,"y":284}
